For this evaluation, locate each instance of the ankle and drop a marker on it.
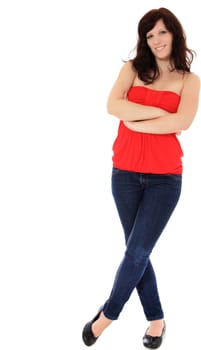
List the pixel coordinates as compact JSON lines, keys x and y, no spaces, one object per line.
{"x":156,"y":327}
{"x":157,"y":322}
{"x":100,"y":325}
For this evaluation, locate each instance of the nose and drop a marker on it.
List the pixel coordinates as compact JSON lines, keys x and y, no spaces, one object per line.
{"x":156,"y":39}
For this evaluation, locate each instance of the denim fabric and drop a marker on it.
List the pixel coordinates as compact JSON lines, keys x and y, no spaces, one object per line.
{"x":145,"y":203}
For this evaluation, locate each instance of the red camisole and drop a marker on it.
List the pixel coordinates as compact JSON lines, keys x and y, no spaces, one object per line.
{"x":149,"y":153}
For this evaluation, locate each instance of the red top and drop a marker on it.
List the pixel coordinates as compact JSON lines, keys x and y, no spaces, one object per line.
{"x":149,"y":153}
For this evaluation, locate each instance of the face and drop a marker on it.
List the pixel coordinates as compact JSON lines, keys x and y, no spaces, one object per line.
{"x":159,"y":39}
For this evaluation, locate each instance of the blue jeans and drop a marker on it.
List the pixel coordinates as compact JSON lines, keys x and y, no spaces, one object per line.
{"x":145,"y":203}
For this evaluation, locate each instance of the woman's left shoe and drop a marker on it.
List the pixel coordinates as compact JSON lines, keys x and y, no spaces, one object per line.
{"x":154,"y":342}
{"x":87,"y":334}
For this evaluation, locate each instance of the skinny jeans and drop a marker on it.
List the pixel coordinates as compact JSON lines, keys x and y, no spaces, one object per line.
{"x":145,"y":203}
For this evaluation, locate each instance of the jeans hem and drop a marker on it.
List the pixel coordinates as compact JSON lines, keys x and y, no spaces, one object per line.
{"x":110,"y":317}
{"x":155,"y":318}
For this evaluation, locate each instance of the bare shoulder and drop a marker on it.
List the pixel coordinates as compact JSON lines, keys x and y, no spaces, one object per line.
{"x":191,"y":85}
{"x":127,"y":73}
{"x":123,"y":82}
{"x":195,"y":76}
{"x":128,"y":67}
{"x":192,"y":78}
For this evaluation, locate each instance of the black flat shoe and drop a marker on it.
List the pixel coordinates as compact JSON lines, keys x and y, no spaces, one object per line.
{"x":153,"y":342}
{"x":87,"y":334}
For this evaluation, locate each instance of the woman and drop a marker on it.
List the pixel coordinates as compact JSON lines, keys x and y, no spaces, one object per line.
{"x":155,"y":97}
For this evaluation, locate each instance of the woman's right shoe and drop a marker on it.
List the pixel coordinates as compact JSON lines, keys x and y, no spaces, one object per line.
{"x":154,"y":342}
{"x":87,"y":334}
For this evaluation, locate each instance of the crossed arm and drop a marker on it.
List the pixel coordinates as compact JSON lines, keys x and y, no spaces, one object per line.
{"x":148,"y":119}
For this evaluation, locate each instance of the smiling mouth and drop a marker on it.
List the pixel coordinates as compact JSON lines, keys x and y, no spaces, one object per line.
{"x":159,"y":48}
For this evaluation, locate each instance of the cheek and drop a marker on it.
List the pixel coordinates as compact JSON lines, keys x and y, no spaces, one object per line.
{"x":170,"y":45}
{"x":149,"y":45}
{"x":151,"y":48}
{"x":170,"y":41}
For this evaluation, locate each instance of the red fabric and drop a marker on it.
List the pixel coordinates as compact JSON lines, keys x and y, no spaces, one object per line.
{"x":149,"y":153}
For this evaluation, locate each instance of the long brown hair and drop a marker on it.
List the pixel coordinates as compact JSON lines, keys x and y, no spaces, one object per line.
{"x":144,"y":62}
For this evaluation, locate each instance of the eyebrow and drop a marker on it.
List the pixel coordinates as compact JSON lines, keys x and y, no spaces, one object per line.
{"x":157,"y":29}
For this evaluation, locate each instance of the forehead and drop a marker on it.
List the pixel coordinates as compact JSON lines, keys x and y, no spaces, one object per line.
{"x":159,"y":25}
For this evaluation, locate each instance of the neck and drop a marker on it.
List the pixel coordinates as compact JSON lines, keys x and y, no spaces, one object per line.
{"x":165,"y":66}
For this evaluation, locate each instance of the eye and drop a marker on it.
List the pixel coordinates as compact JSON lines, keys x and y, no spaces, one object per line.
{"x":163,"y":31}
{"x":149,"y":36}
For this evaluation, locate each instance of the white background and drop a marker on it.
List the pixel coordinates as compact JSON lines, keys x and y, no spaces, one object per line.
{"x":60,"y":237}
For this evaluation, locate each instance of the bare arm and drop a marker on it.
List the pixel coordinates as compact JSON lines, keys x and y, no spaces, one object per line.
{"x":174,"y":122}
{"x":118,"y":105}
